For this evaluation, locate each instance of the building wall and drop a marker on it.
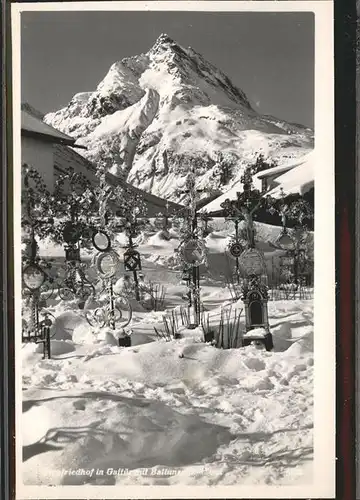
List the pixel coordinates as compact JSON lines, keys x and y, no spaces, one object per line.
{"x":269,"y":182}
{"x":39,"y":155}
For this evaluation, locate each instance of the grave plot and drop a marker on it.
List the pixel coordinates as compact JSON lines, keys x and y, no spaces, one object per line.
{"x":168,"y":358}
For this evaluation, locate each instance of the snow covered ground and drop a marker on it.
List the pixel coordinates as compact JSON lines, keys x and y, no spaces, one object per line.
{"x":169,"y":413}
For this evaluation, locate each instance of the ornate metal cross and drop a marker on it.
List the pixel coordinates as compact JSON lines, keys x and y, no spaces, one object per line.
{"x":245,"y":205}
{"x":193,"y":281}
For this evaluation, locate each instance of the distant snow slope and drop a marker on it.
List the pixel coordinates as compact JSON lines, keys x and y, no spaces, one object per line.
{"x":156,"y":115}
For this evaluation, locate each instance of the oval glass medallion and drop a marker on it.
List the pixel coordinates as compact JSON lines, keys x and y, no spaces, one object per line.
{"x":252,"y":263}
{"x":108,"y":264}
{"x":285,"y":241}
{"x":193,"y":252}
{"x":101,"y":241}
{"x":33,"y":277}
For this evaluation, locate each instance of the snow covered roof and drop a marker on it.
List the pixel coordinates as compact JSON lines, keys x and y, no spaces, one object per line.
{"x":298,"y":180}
{"x":215,"y":205}
{"x":154,"y":204}
{"x":275,"y":170}
{"x":281,"y":169}
{"x":34,"y":127}
{"x":297,"y":177}
{"x":65,"y":157}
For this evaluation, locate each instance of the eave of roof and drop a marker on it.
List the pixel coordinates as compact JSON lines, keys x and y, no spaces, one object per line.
{"x":275,"y":170}
{"x":32,"y":126}
{"x":50,"y":139}
{"x":163,"y":206}
{"x":65,"y":157}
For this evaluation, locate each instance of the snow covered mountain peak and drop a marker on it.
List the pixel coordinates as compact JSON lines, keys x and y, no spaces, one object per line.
{"x":201,"y":82}
{"x":164,"y":42}
{"x":156,"y":115}
{"x":118,"y":76}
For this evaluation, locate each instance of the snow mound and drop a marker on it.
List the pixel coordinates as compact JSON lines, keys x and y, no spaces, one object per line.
{"x":214,"y":416}
{"x":57,"y":347}
{"x":85,"y":334}
{"x":135,"y":433}
{"x":65,"y":325}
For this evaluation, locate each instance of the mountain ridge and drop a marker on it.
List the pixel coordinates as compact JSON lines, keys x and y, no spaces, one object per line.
{"x":155,"y":116}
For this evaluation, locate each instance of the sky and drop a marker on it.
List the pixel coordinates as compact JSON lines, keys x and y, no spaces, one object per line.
{"x":270,"y":56}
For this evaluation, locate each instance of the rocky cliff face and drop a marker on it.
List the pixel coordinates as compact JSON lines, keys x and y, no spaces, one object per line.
{"x":155,"y":116}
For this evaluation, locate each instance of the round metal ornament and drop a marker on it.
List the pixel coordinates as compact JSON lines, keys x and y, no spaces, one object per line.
{"x":235,"y":249}
{"x":132,"y":261}
{"x":33,"y":277}
{"x":101,"y":241}
{"x":252,"y":262}
{"x":285,"y":241}
{"x":192,"y":252}
{"x":108,"y":264}
{"x":120,"y":314}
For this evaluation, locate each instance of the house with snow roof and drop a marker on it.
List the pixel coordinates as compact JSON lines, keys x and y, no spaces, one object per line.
{"x":39,"y":143}
{"x":268,"y":177}
{"x":52,"y":152}
{"x":294,"y":177}
{"x":294,"y":180}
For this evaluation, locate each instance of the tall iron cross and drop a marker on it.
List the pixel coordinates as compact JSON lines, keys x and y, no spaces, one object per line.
{"x":245,"y":205}
{"x":247,"y":201}
{"x":250,"y":197}
{"x":192,"y":191}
